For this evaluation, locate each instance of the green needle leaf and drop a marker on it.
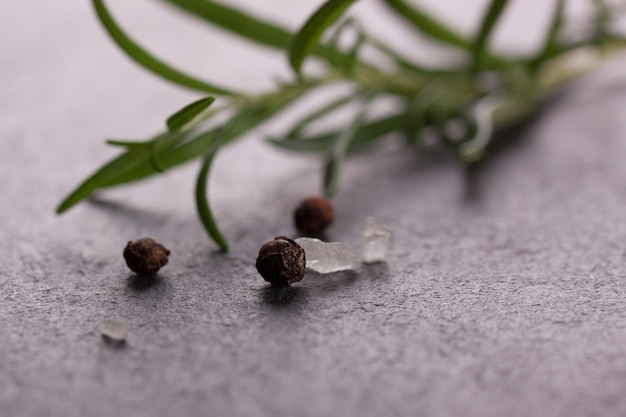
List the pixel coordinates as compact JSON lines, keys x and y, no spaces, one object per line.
{"x":399,"y":60}
{"x":489,"y":22}
{"x":181,"y":118}
{"x":239,"y":23}
{"x":235,"y":21}
{"x":365,"y":135}
{"x":482,"y":115}
{"x":127,"y":143}
{"x":353,"y":54}
{"x":148,"y":61}
{"x":309,"y":35}
{"x":550,"y":45}
{"x":602,"y":17}
{"x":427,"y":24}
{"x":318,"y":114}
{"x":337,"y":154}
{"x":202,"y":202}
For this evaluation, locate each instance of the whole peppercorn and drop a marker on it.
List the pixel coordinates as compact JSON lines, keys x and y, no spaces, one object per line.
{"x":313,"y":216}
{"x":281,"y":261}
{"x":145,"y":256}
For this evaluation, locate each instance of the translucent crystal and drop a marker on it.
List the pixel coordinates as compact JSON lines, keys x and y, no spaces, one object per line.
{"x":114,"y":330}
{"x":325,"y":258}
{"x":377,"y":241}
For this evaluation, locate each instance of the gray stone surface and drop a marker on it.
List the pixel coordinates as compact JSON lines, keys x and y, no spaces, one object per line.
{"x":504,"y":296}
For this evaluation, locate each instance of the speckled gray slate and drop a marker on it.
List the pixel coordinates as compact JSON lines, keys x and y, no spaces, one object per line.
{"x":505,"y":294}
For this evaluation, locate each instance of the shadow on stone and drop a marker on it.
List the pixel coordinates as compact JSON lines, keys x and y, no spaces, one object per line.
{"x":113,"y":344}
{"x":282,"y":296}
{"x":126,"y":212}
{"x":324,"y":237}
{"x":140,"y":283}
{"x":332,"y":282}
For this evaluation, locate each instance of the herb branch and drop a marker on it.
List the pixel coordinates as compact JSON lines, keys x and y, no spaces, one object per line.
{"x":431,"y":98}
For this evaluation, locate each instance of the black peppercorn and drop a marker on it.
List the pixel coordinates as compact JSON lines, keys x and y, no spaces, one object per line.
{"x":313,"y":216}
{"x":145,"y":256}
{"x":281,"y":261}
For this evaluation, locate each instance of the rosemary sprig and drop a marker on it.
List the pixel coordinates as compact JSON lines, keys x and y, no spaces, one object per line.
{"x":429,"y":98}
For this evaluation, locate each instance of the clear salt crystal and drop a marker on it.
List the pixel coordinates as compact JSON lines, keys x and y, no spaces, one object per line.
{"x":377,"y":241}
{"x":325,"y":258}
{"x":114,"y":330}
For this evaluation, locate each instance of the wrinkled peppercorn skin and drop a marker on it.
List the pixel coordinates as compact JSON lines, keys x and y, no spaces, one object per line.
{"x":313,"y":216}
{"x":281,"y":262}
{"x":145,"y":256}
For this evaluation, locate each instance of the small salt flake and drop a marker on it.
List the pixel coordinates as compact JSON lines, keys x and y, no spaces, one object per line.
{"x":325,"y":258}
{"x":377,"y":241}
{"x":114,"y":330}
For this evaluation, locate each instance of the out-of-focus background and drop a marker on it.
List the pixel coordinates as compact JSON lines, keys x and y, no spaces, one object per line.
{"x":505,"y":293}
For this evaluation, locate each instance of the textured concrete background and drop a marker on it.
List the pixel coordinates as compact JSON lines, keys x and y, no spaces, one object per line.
{"x":505,"y":295}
